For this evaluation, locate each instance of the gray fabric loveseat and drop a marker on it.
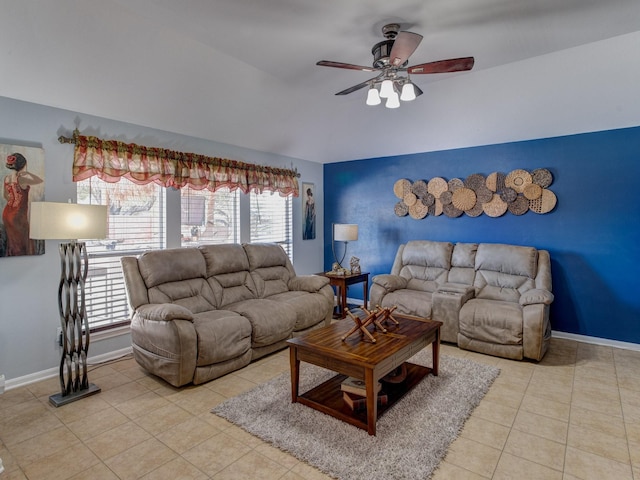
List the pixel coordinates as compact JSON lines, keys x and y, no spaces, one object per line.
{"x":491,"y":298}
{"x":202,"y":312}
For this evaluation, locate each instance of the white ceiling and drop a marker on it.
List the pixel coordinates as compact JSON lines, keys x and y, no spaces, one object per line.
{"x":243,"y":72}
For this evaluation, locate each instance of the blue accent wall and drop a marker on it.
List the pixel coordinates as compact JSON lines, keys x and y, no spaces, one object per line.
{"x":593,"y":234}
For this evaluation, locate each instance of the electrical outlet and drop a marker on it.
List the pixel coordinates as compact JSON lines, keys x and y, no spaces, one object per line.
{"x":1,"y":384}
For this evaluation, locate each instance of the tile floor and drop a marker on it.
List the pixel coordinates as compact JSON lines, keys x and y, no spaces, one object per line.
{"x":575,"y":415}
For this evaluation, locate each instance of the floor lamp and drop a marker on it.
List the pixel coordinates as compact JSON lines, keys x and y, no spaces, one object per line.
{"x":343,"y":232}
{"x":70,"y":221}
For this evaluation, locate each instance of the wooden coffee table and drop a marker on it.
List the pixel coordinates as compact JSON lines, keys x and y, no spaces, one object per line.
{"x":364,"y":360}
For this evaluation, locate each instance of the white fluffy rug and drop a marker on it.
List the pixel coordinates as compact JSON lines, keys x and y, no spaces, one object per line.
{"x":412,"y":437}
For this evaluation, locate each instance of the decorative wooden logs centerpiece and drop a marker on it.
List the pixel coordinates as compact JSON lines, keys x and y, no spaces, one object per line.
{"x":375,"y":317}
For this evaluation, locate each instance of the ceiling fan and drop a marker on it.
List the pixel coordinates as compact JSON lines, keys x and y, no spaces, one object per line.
{"x":390,"y":58}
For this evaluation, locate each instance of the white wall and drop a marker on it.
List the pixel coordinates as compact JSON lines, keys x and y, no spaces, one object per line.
{"x":28,"y":285}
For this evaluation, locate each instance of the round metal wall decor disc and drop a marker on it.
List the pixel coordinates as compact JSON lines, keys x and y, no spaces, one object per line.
{"x":518,"y":179}
{"x":532,"y":191}
{"x":545,"y":203}
{"x":464,"y":198}
{"x":428,"y":199}
{"x":475,"y":181}
{"x":476,"y":211}
{"x":419,"y":188}
{"x":401,"y":209}
{"x":436,"y":186}
{"x":508,"y":194}
{"x":496,"y":207}
{"x":542,"y":177}
{"x":410,"y":199}
{"x":483,"y":194}
{"x":455,"y":184}
{"x":451,"y":211}
{"x":446,"y":197}
{"x":495,"y":181}
{"x":418,"y":210}
{"x":519,"y":206}
{"x":401,"y":188}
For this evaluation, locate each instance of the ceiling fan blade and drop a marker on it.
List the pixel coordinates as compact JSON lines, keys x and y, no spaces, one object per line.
{"x":417,"y":90}
{"x":358,"y":86}
{"x":443,"y":66}
{"x":348,"y":66}
{"x":403,"y":46}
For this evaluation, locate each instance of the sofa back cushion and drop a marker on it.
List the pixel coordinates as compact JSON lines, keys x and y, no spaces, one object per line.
{"x":463,"y":263}
{"x":227,"y":272}
{"x":425,"y":264}
{"x":176,"y":276}
{"x":504,"y":272}
{"x":270,"y":268}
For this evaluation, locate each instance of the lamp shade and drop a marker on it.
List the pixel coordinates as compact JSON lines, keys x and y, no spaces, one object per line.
{"x":393,"y":101}
{"x":67,"y":221}
{"x":373,"y":97}
{"x":408,"y":92}
{"x":345,"y":232}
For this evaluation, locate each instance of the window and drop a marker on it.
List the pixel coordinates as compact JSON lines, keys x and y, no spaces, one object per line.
{"x":271,"y":220}
{"x":209,"y":217}
{"x":136,"y":217}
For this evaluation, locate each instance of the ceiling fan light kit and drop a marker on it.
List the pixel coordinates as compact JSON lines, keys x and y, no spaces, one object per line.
{"x":390,"y":58}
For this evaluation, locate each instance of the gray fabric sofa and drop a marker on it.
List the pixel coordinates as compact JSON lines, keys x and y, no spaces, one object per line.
{"x":202,"y":312}
{"x":491,"y":298}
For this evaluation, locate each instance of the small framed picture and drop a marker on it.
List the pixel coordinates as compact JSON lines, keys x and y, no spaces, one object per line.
{"x":308,"y":211}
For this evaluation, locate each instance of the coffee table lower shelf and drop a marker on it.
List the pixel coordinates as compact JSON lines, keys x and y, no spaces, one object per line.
{"x":327,"y":397}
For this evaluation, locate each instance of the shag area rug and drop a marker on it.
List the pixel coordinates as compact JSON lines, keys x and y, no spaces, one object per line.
{"x":412,"y":436}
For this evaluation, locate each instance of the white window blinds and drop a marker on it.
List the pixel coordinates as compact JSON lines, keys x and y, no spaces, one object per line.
{"x":136,"y":217}
{"x":271,"y":220}
{"x":209,"y":217}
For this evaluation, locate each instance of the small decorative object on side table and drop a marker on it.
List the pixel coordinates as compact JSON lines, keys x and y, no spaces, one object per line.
{"x":354,"y":263}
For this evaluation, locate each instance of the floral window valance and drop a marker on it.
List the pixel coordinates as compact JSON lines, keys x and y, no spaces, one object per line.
{"x":112,"y":160}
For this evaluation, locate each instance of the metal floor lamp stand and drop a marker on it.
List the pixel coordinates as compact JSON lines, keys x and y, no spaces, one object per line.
{"x":74,"y":381}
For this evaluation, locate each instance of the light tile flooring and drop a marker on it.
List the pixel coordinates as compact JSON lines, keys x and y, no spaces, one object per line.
{"x":575,"y":415}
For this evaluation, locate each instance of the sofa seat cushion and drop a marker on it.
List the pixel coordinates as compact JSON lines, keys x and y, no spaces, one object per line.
{"x":492,"y":321}
{"x":310,"y":308}
{"x":222,"y":335}
{"x":410,"y":302}
{"x":271,"y":321}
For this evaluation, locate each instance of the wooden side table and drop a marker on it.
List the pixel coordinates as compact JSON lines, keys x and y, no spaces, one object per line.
{"x":341,"y":283}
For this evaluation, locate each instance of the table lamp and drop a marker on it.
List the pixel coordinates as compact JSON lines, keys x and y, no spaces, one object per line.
{"x":70,"y":221}
{"x":343,"y":232}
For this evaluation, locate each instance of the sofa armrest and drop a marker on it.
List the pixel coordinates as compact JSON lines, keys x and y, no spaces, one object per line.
{"x":164,"y":311}
{"x":390,"y":282}
{"x":536,"y":295}
{"x":308,"y":283}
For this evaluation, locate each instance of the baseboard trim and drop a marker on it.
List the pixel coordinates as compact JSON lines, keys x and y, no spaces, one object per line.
{"x":596,"y":340}
{"x":54,"y":372}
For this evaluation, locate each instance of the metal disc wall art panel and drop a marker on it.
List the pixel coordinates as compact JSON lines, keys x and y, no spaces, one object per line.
{"x":517,"y":192}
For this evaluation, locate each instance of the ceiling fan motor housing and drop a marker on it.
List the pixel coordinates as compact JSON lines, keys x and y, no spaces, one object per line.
{"x":382,"y":51}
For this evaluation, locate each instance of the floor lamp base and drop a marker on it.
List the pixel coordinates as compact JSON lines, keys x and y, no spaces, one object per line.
{"x":59,"y":400}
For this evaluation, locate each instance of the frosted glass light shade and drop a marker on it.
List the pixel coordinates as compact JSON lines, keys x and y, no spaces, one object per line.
{"x":408,"y":92}
{"x":373,"y":98}
{"x":393,"y":101}
{"x":386,"y":88}
{"x":345,"y":232}
{"x":67,"y":221}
